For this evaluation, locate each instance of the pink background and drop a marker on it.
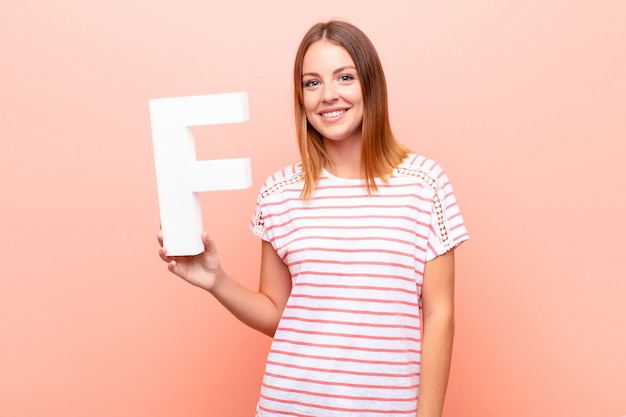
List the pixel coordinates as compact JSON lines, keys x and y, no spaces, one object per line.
{"x":522,"y":102}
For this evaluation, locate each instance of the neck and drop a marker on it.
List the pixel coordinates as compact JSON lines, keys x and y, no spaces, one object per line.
{"x":345,"y":157}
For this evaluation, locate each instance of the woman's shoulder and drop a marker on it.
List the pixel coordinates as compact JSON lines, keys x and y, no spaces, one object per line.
{"x":422,"y":167}
{"x":290,"y":175}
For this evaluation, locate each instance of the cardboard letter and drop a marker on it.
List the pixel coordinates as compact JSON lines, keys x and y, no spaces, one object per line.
{"x":180,"y":177}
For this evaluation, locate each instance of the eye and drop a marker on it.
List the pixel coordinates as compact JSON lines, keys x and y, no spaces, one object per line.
{"x":311,"y":83}
{"x":346,"y":77}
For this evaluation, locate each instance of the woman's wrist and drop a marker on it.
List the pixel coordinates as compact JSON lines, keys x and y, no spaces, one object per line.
{"x":219,"y":278}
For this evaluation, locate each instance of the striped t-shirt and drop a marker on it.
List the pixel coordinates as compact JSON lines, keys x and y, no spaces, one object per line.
{"x":349,"y":340}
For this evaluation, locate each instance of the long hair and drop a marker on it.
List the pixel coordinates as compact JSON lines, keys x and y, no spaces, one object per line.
{"x":381,"y":153}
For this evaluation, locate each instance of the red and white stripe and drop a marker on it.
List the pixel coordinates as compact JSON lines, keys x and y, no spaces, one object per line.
{"x":349,"y":341}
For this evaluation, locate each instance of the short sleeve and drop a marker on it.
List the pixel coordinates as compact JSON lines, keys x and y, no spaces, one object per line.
{"x":257,"y":223}
{"x":447,"y":229}
{"x":291,"y":178}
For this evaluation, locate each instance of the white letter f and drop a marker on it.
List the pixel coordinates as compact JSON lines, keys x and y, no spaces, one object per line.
{"x":180,"y":177}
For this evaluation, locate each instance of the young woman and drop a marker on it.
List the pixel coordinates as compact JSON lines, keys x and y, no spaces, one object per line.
{"x":357,"y":268}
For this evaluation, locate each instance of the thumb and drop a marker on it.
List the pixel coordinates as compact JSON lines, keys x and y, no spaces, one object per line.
{"x":209,"y":245}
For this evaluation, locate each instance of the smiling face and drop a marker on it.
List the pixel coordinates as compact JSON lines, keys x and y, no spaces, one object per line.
{"x":331,"y":92}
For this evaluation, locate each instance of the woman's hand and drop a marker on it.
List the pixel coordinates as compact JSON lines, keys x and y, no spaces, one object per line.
{"x":202,"y":270}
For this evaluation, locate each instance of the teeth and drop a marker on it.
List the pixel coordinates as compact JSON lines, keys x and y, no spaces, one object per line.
{"x":334,"y":113}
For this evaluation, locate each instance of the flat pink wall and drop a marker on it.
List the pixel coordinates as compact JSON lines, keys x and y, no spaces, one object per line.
{"x":523,"y":103}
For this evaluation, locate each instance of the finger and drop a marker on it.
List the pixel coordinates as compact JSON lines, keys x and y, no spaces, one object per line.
{"x":160,"y":237}
{"x":209,"y":245}
{"x":173,"y":267}
{"x":163,"y":255}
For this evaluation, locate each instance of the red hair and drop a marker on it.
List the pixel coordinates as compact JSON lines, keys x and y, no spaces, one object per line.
{"x":381,"y":153}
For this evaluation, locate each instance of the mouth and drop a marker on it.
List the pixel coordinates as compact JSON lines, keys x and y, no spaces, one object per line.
{"x":332,"y":114}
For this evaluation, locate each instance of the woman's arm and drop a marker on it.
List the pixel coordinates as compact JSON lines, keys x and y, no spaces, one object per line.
{"x":260,"y":310}
{"x":438,"y":333}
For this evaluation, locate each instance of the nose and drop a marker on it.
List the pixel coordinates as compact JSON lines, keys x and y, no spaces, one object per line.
{"x":329,"y":93}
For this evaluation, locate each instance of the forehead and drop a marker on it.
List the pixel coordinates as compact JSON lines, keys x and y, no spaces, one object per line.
{"x":324,"y":56}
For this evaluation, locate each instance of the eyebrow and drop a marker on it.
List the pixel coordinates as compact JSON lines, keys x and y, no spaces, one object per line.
{"x":338,"y":70}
